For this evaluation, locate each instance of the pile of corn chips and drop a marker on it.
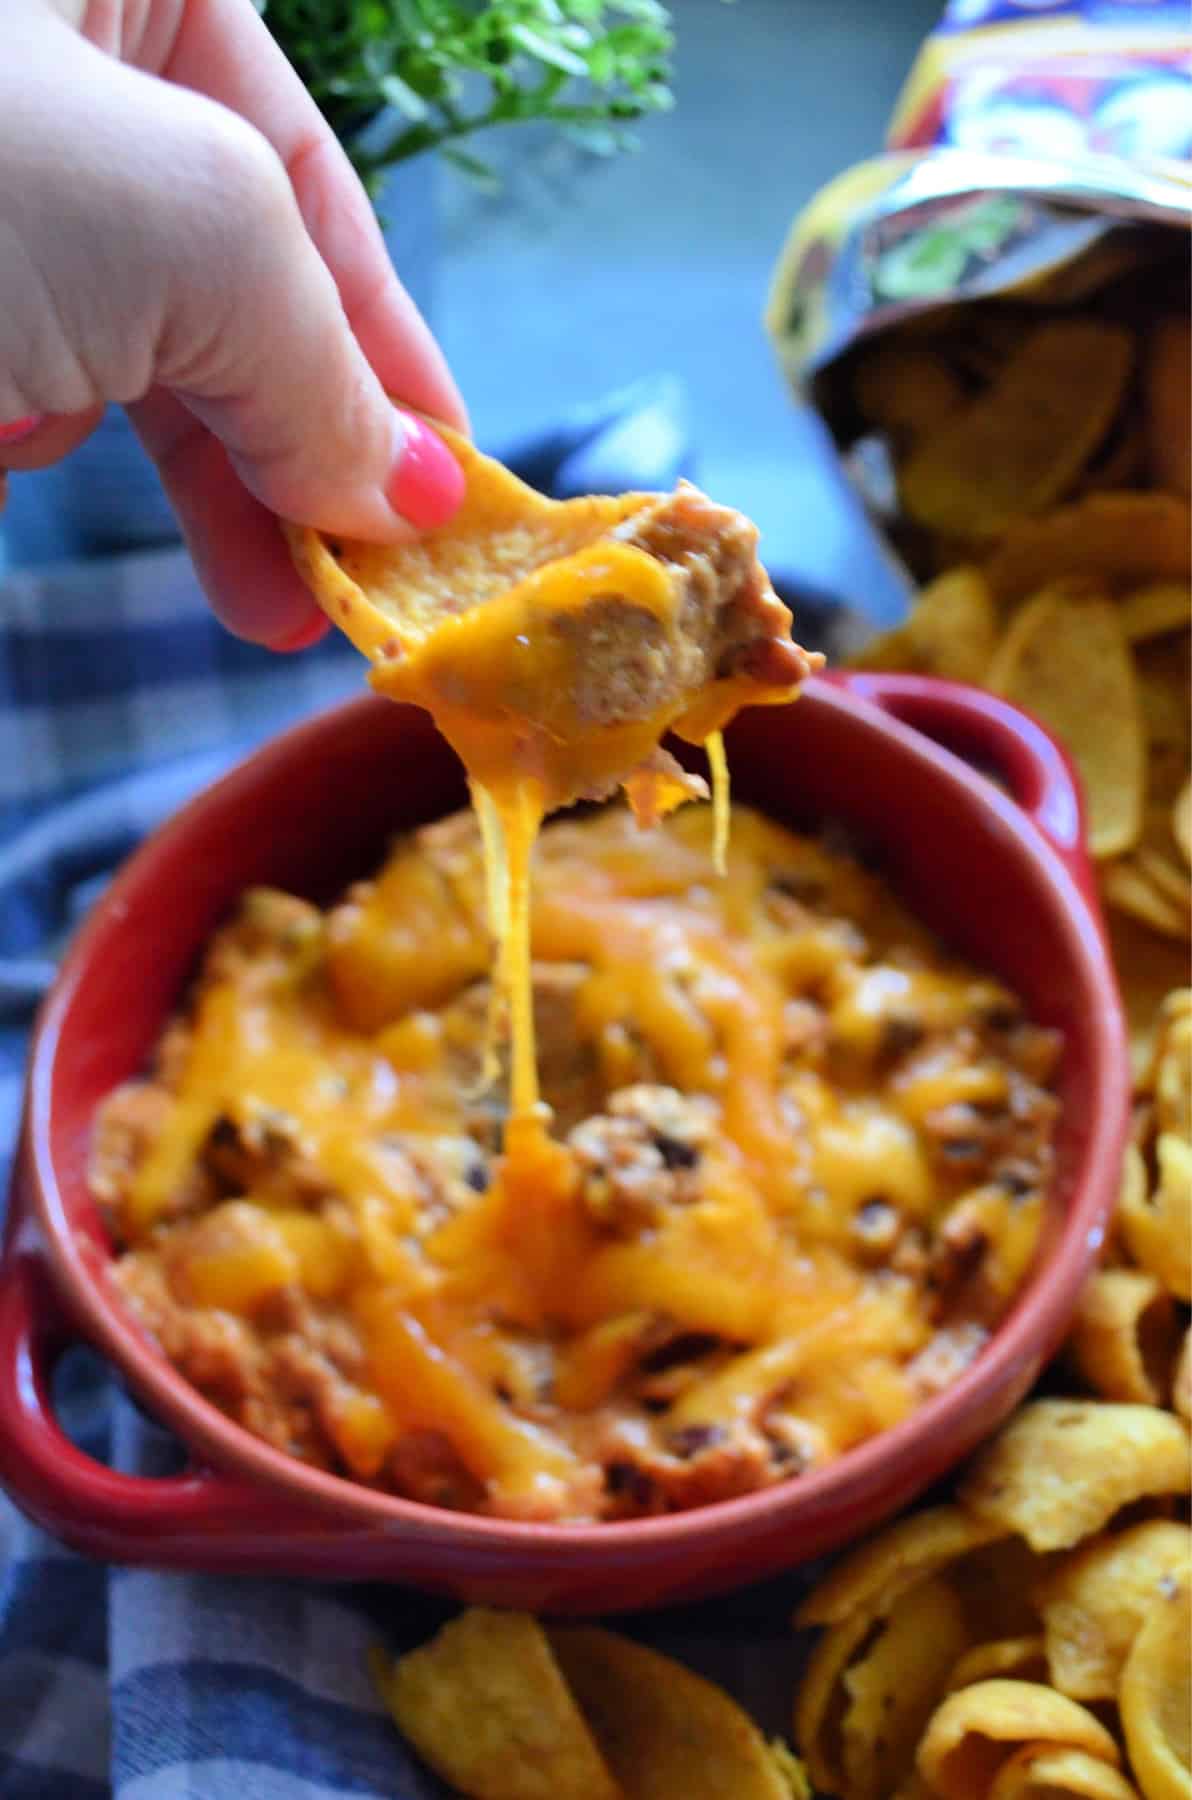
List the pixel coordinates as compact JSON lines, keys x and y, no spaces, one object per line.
{"x":507,"y":1709}
{"x":1040,"y":467}
{"x":1033,"y":1639}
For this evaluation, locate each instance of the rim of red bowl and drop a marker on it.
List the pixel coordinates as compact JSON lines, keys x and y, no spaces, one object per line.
{"x":1025,"y":1337}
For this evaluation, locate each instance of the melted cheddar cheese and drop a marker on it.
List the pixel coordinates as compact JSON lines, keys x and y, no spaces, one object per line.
{"x":554,"y":645}
{"x":797,"y":1173}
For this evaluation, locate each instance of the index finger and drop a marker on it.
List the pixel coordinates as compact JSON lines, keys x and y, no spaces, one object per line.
{"x":224,"y":50}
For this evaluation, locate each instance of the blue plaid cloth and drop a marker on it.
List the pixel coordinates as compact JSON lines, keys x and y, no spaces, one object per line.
{"x":119,"y":697}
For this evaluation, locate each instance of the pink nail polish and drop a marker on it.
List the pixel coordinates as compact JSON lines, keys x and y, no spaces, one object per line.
{"x":20,"y":429}
{"x":427,"y":485}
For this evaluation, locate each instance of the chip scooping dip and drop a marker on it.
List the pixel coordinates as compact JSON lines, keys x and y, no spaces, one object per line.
{"x":554,"y":643}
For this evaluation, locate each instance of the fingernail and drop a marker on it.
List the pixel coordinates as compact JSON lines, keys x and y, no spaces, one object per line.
{"x":20,"y":429}
{"x":427,"y":484}
{"x":316,"y":627}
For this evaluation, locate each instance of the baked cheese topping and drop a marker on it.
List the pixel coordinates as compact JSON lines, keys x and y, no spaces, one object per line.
{"x":797,"y":1174}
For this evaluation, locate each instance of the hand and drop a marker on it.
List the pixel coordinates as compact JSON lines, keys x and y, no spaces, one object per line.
{"x":180,"y":232}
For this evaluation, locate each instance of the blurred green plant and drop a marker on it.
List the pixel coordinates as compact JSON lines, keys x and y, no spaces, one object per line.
{"x":442,"y":70}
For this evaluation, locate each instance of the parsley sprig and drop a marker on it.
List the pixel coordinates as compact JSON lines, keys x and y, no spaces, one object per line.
{"x":442,"y":70}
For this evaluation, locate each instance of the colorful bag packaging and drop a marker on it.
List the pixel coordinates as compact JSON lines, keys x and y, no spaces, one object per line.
{"x":1038,"y":159}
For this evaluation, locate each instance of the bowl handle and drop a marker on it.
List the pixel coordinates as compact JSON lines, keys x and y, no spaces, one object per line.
{"x":999,"y":740}
{"x":165,"y":1521}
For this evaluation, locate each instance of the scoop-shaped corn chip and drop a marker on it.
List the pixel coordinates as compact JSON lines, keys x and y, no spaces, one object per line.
{"x":1130,"y":888}
{"x":1021,"y":444}
{"x":1119,"y":539}
{"x":1043,"y":1772}
{"x":953,"y":627}
{"x":1157,"y":1229}
{"x":1122,"y":540}
{"x":903,"y":391}
{"x":1065,"y":660}
{"x":869,"y":1579}
{"x":974,"y":1732}
{"x":995,"y":1583}
{"x":500,"y":535}
{"x":895,"y":1684}
{"x":1002,"y":1659}
{"x":1168,"y":877}
{"x":1156,"y":1695}
{"x":820,"y":1699}
{"x":1151,"y":611}
{"x":1094,"y":1601}
{"x":1148,"y":968}
{"x":1125,"y":1336}
{"x":664,"y":1731}
{"x":1172,"y":1084}
{"x":1162,"y":666}
{"x":485,"y":1705}
{"x":1061,"y":1468}
{"x":561,"y":639}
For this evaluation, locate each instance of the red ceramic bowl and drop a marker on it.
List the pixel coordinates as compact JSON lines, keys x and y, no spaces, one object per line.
{"x":1003,"y":879}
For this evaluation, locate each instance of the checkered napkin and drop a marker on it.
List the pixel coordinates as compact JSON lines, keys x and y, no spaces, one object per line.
{"x":119,"y":697}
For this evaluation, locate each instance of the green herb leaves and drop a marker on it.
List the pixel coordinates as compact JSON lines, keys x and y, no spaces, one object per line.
{"x":445,"y":69}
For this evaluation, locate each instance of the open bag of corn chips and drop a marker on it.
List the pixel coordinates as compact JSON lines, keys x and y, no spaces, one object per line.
{"x":993,"y":319}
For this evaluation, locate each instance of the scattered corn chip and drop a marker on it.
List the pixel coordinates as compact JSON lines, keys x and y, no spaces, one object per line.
{"x":1125,"y":886}
{"x":1121,"y":539}
{"x":1172,"y":1083}
{"x":995,"y":1584}
{"x":664,"y":1731}
{"x":1148,"y":968}
{"x":953,"y":627}
{"x":485,"y":1705}
{"x":1043,"y":1772}
{"x":1061,"y":1468}
{"x":895,"y":1684}
{"x":1094,"y":1601}
{"x":1011,"y":1659}
{"x":820,"y":1700}
{"x":905,"y":392}
{"x":1157,"y":1230}
{"x":869,"y":1579}
{"x":973,"y":1733}
{"x":1125,"y":1336}
{"x":1153,"y":611}
{"x":1021,"y":445}
{"x":1155,"y":1697}
{"x":1087,"y":695}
